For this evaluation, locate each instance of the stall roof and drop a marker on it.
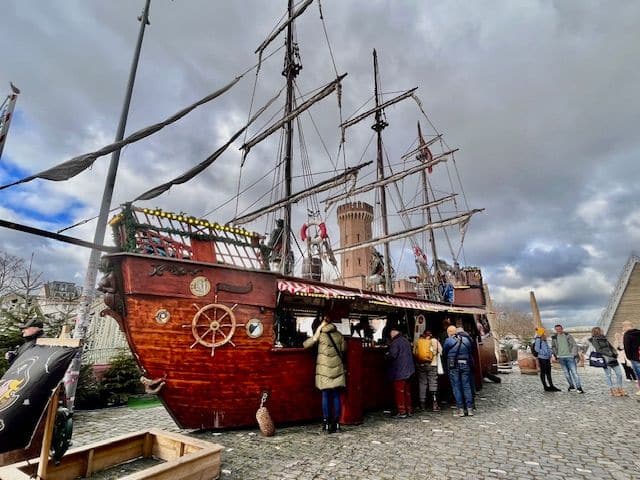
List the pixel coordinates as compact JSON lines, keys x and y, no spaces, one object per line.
{"x":313,"y":290}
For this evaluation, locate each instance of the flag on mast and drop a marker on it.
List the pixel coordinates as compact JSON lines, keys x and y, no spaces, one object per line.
{"x":6,"y":112}
{"x":424,"y":154}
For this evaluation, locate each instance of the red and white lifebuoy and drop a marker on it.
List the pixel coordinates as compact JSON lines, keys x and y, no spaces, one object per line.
{"x":322,"y":232}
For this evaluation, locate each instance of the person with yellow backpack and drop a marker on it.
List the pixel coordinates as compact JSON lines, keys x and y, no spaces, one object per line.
{"x":426,"y":353}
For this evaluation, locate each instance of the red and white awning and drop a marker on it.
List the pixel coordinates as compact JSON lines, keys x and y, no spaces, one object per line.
{"x":308,"y":289}
{"x":301,"y":288}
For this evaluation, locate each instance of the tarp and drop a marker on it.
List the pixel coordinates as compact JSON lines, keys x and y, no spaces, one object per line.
{"x":310,"y":289}
{"x":25,"y":390}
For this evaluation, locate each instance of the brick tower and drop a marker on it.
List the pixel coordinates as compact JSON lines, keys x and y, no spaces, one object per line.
{"x":355,"y":220}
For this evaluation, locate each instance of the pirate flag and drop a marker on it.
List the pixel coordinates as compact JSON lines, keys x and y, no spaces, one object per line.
{"x":25,"y":390}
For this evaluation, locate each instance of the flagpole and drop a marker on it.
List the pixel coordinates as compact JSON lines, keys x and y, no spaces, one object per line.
{"x":88,"y":292}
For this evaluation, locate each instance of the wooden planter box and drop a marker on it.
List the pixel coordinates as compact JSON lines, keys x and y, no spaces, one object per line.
{"x":184,"y":458}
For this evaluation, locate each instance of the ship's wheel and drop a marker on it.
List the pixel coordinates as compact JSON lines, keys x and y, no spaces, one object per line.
{"x":213,"y":325}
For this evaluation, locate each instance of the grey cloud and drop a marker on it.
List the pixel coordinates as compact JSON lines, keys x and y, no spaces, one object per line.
{"x":540,"y":97}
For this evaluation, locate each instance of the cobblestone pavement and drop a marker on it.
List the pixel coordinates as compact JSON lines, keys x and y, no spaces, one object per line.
{"x":519,"y":431}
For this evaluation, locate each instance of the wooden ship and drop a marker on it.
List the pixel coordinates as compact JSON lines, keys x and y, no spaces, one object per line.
{"x":216,"y":314}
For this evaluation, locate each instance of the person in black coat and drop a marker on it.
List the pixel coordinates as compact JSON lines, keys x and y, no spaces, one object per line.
{"x":31,"y":331}
{"x":631,"y":341}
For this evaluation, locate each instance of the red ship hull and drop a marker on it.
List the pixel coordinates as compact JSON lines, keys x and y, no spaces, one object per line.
{"x":155,"y":303}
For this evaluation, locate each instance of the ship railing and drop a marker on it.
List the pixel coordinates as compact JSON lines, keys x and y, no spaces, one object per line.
{"x":177,"y":235}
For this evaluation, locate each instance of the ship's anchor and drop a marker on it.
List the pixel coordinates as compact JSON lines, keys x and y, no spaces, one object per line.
{"x":218,"y":320}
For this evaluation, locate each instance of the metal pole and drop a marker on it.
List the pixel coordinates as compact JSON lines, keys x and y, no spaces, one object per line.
{"x":88,"y":292}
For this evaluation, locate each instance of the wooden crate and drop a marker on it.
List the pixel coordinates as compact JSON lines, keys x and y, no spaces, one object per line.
{"x":184,"y":458}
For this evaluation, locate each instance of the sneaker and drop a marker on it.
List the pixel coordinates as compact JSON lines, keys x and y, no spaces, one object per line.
{"x":571,"y":388}
{"x":580,"y":390}
{"x":458,"y":412}
{"x":638,"y":393}
{"x":401,"y":415}
{"x":470,"y":413}
{"x":547,"y":389}
{"x":553,"y":388}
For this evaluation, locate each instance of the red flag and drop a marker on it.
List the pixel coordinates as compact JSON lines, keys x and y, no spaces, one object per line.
{"x":424,"y":154}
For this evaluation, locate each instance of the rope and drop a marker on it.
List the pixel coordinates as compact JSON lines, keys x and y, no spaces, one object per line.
{"x":84,"y":221}
{"x":419,"y":103}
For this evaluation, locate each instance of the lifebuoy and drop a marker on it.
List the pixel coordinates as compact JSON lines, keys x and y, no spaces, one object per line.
{"x":322,"y":228}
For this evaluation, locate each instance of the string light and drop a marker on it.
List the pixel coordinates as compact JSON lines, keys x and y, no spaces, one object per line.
{"x":158,"y":212}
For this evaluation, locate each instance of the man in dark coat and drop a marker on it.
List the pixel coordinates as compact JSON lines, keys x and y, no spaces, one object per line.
{"x":400,"y":371}
{"x":31,"y":331}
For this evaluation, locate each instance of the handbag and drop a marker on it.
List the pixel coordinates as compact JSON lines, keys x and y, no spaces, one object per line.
{"x":596,"y":359}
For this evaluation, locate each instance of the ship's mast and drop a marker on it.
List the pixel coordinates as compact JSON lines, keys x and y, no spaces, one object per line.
{"x":432,"y":239}
{"x":378,"y":127}
{"x":291,"y":70}
{"x":425,"y":185}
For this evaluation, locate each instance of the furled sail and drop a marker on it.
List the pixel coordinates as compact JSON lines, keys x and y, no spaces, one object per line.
{"x":433,"y":203}
{"x":271,"y":37}
{"x":71,"y":168}
{"x":349,"y":174}
{"x":455,"y":220}
{"x":189,"y":174}
{"x":380,"y":107}
{"x":393,"y":178}
{"x":416,"y":151}
{"x":329,"y":88}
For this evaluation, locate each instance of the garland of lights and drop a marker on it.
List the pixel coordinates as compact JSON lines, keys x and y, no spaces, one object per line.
{"x":128,"y":220}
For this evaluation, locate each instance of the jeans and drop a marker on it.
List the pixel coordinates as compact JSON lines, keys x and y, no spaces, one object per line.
{"x":331,"y":396}
{"x":461,"y":378}
{"x":607,"y":375}
{"x":636,"y":368}
{"x":570,"y":370}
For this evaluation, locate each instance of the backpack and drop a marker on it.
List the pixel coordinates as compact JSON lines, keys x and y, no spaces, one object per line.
{"x":533,"y":349}
{"x":422,"y":351}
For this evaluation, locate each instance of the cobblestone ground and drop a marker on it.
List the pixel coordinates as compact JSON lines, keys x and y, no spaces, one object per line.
{"x":518,"y":432}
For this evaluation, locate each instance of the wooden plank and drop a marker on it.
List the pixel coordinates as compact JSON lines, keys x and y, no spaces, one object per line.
{"x":89,"y":470}
{"x":48,"y":434}
{"x":147,"y":447}
{"x":204,"y":465}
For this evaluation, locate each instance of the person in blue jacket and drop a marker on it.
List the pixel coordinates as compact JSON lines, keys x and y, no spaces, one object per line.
{"x":542,"y":350}
{"x":458,"y":348}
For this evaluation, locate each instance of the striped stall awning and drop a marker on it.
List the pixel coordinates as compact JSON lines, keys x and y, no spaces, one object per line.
{"x":301,"y":288}
{"x":312,"y":290}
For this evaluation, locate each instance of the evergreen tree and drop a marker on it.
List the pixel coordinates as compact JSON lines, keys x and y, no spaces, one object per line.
{"x":121,"y":380}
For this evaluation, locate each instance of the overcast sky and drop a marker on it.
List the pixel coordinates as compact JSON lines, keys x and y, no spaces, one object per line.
{"x":541,"y":98}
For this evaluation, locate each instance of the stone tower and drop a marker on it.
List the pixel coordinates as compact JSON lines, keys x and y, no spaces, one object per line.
{"x":355,"y":220}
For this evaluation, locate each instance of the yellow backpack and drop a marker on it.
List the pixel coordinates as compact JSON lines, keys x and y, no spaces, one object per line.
{"x":422,"y":350}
